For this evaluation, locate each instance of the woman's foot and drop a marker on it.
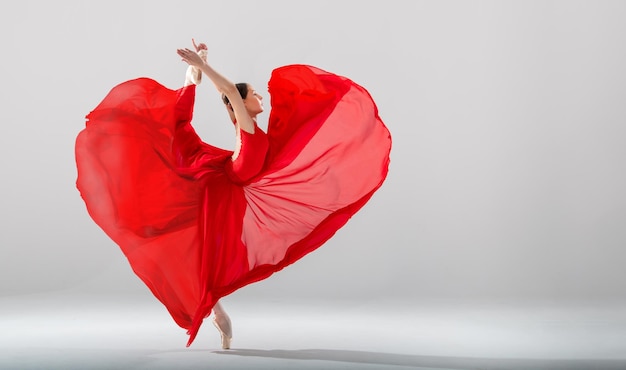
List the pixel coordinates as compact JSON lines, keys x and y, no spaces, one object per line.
{"x":223,"y":325}
{"x":194,"y":75}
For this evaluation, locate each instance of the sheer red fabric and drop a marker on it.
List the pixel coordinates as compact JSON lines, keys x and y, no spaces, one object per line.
{"x":195,"y":224}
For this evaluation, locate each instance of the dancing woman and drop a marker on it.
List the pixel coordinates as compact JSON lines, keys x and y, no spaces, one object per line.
{"x":198,"y":222}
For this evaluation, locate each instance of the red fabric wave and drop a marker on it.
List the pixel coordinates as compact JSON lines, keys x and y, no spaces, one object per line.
{"x":196,"y":225}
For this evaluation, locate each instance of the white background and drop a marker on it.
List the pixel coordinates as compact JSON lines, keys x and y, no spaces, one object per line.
{"x":508,"y":123}
{"x":499,"y":233}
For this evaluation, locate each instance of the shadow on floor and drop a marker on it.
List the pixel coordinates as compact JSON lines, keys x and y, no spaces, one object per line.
{"x":436,"y":362}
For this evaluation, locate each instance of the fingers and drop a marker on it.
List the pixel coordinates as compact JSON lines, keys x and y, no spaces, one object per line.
{"x":189,"y":56}
{"x":184,"y":54}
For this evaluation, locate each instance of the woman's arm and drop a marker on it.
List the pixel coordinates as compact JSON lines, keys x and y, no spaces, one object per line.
{"x":224,"y":86}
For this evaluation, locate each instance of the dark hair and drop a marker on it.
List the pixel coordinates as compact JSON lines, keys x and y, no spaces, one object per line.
{"x":242,"y":87}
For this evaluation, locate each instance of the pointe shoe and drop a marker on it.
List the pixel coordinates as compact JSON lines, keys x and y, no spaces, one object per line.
{"x":194,"y":75}
{"x":225,"y":332}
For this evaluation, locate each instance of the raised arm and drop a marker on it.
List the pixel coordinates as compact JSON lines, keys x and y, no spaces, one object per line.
{"x":224,"y":86}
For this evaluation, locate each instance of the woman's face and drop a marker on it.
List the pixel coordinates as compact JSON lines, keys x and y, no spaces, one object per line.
{"x":253,"y":102}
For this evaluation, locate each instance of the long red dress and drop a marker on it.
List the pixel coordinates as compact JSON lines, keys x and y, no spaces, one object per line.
{"x":195,"y":224}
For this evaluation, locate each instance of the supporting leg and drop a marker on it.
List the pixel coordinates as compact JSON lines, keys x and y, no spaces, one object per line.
{"x":223,"y":325}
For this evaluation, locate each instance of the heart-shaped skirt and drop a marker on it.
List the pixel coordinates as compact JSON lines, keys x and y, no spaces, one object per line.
{"x":192,"y":233}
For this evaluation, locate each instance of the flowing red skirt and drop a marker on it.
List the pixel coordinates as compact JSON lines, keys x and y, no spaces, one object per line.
{"x":189,"y":230}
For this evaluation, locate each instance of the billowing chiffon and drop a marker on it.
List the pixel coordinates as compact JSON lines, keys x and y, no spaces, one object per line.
{"x":196,"y":225}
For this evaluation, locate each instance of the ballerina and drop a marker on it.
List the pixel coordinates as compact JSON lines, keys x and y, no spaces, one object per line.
{"x":197,"y":222}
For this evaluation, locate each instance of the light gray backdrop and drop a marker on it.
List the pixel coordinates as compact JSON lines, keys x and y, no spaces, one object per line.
{"x":508,"y":119}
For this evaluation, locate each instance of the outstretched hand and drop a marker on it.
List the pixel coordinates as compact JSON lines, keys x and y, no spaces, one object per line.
{"x":190,"y":57}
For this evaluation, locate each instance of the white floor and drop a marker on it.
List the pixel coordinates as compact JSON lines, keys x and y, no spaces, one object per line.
{"x":69,"y":331}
